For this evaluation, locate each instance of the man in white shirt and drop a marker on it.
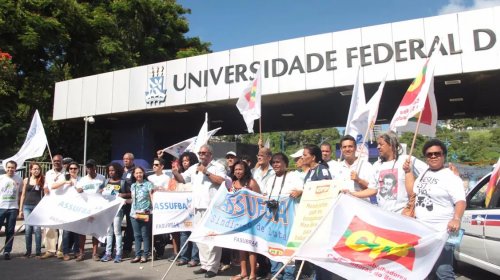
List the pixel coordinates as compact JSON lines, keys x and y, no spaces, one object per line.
{"x":55,"y":175}
{"x":357,"y":174}
{"x":326,"y":155}
{"x":10,"y":185}
{"x":90,"y":183}
{"x":206,"y":178}
{"x":263,"y":170}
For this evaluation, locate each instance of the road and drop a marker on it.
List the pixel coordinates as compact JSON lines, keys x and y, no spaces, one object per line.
{"x":33,"y":268}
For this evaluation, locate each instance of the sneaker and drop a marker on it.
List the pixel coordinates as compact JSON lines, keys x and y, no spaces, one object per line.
{"x":59,"y":255}
{"x":96,"y":257}
{"x":224,"y":267}
{"x":106,"y":258}
{"x":6,"y":256}
{"x":47,"y":255}
{"x":118,"y":259}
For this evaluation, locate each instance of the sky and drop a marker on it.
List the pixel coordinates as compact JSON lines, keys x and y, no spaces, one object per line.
{"x":230,"y":24}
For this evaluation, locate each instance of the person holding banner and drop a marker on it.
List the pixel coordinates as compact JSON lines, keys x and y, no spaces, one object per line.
{"x":357,"y":173}
{"x":242,"y":179}
{"x":70,"y":240}
{"x":392,"y":195}
{"x":282,"y":183}
{"x":189,"y":254}
{"x":10,"y":185}
{"x":31,"y":195}
{"x":52,"y":241}
{"x":140,"y":213}
{"x":440,"y":201}
{"x":114,"y":187}
{"x":206,"y":178}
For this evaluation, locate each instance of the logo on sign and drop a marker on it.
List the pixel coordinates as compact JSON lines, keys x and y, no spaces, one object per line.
{"x":365,"y":243}
{"x":157,"y":92}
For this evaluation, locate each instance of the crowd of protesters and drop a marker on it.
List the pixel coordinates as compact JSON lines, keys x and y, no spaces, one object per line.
{"x":389,"y":183}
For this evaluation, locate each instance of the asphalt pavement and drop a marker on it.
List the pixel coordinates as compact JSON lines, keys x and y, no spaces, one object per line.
{"x":33,"y":268}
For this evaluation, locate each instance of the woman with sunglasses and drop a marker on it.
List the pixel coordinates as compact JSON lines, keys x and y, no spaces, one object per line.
{"x":69,"y":237}
{"x":440,"y":201}
{"x":140,"y":213}
{"x":31,"y":195}
{"x":242,"y":179}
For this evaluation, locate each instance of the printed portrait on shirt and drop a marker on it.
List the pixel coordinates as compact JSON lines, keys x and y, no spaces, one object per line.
{"x":388,"y":184}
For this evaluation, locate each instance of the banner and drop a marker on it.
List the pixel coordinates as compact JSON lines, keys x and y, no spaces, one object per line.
{"x":34,"y":144}
{"x":242,"y":221}
{"x":172,"y":212}
{"x":315,"y":202}
{"x":361,"y":241}
{"x":177,"y":149}
{"x":83,"y":213}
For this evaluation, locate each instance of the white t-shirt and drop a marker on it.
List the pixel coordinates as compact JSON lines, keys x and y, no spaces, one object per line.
{"x":90,"y":185}
{"x":9,"y":191}
{"x":292,"y":183}
{"x":392,"y":195}
{"x":437,"y":192}
{"x":203,"y":189}
{"x":159,"y":180}
{"x":365,"y":172}
{"x":52,"y":176}
{"x":334,"y":167}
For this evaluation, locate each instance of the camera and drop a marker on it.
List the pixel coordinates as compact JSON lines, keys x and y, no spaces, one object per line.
{"x":67,"y":176}
{"x":272,"y":204}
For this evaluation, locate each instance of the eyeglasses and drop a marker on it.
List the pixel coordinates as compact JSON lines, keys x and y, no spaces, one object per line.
{"x":73,"y":168}
{"x":156,"y":164}
{"x":203,"y":153}
{"x":433,"y":154}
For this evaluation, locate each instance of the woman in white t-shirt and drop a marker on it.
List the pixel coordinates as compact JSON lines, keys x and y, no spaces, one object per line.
{"x":440,"y":201}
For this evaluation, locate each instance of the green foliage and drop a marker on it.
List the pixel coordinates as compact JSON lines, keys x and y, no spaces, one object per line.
{"x":52,"y":41}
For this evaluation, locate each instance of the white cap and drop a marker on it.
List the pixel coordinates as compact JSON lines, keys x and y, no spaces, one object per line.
{"x":231,"y":153}
{"x":297,"y":154}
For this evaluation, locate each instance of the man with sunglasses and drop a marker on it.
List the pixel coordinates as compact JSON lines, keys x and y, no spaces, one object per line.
{"x":440,"y":200}
{"x":205,"y":177}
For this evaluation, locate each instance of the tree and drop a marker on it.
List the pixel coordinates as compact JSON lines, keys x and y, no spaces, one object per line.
{"x":51,"y":41}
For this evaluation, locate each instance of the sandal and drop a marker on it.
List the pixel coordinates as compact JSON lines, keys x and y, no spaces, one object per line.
{"x":239,"y":277}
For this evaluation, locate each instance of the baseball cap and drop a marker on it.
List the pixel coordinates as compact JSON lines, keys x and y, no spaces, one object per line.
{"x":67,"y":160}
{"x":297,"y":154}
{"x":90,"y":163}
{"x":231,"y":153}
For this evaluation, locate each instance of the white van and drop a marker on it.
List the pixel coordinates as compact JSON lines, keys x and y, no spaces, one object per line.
{"x":480,"y":245}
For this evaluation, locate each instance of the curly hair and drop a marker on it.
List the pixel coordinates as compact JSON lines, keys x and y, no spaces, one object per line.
{"x":118,"y":169}
{"x":247,"y":176}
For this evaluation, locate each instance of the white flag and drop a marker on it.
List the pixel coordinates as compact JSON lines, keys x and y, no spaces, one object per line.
{"x":201,"y":139}
{"x":358,"y":240}
{"x":249,"y":103}
{"x":177,"y":149}
{"x":33,"y":146}
{"x":358,"y":100}
{"x":364,"y":119}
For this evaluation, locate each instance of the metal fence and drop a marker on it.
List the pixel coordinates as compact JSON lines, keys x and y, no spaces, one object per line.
{"x":23,"y":171}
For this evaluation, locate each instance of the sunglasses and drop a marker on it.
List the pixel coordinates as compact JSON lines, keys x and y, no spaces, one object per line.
{"x":156,"y":164}
{"x":73,"y":168}
{"x":203,"y":153}
{"x":433,"y":154}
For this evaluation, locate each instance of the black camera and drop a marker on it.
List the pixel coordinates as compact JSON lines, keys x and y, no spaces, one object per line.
{"x":272,"y":204}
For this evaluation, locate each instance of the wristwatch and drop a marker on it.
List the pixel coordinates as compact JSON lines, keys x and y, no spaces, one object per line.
{"x":207,"y":174}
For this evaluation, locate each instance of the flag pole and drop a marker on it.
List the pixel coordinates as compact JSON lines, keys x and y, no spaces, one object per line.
{"x":260,"y":131}
{"x":415,"y":135}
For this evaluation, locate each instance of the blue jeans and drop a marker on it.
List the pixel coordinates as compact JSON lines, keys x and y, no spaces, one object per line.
{"x":288,"y":271}
{"x":142,"y":233}
{"x":8,"y":218}
{"x":190,"y":252}
{"x":115,"y":229}
{"x":443,"y":269}
{"x":28,"y":233}
{"x":70,"y":238}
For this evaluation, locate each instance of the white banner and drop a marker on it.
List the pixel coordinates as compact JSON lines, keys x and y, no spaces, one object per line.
{"x":172,"y":212}
{"x":358,"y":240}
{"x":83,"y":213}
